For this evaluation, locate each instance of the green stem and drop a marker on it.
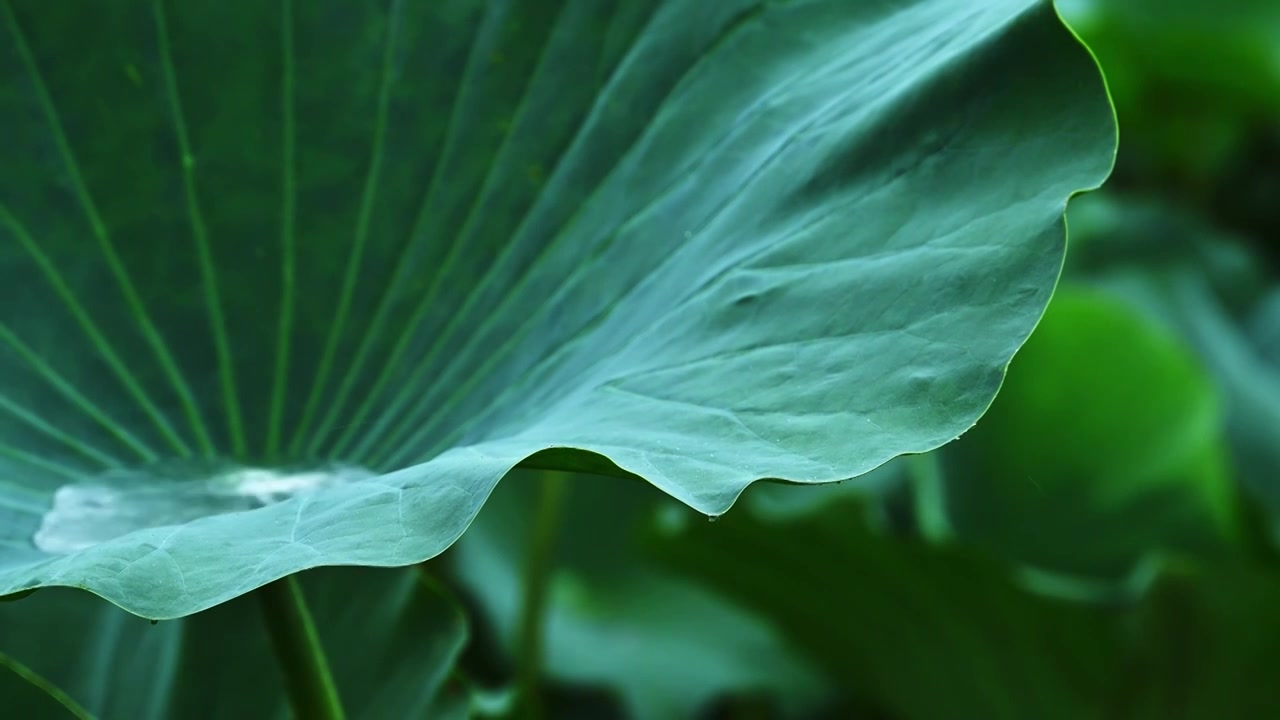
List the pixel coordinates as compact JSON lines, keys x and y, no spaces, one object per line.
{"x":43,"y":685}
{"x":298,"y":651}
{"x":537,"y":576}
{"x":930,"y":496}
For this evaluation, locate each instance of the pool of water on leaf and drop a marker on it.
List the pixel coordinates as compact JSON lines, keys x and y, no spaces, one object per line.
{"x":123,"y":500}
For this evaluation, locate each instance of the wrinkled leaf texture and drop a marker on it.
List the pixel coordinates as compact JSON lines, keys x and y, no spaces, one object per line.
{"x":702,"y":243}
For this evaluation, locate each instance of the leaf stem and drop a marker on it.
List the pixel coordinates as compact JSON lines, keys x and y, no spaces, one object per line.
{"x":298,"y":652}
{"x":538,"y":566}
{"x":930,"y":496}
{"x":48,"y":688}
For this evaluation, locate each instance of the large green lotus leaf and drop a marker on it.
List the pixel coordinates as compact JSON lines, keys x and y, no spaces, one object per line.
{"x":288,"y":285}
{"x":392,"y":642}
{"x":1105,"y":445}
{"x":903,"y":629}
{"x":662,"y":646}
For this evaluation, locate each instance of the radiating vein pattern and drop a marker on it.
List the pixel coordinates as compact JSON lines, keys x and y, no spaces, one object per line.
{"x":288,"y":237}
{"x":699,"y":242}
{"x":367,"y":196}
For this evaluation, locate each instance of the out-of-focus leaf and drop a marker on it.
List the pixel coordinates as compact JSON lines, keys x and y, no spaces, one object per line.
{"x":392,"y":642}
{"x":666,"y":646}
{"x":1148,"y":234}
{"x":1189,"y":77}
{"x":1218,"y":309}
{"x":1263,"y":327}
{"x":1104,"y":446}
{"x":905,"y":629}
{"x":1204,"y":646}
{"x":1229,"y":46}
{"x":1184,"y":301}
{"x":700,"y":242}
{"x":910,"y":630}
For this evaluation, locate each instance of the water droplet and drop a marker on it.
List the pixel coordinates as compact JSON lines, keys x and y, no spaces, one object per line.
{"x":712,"y":518}
{"x":121,"y":501}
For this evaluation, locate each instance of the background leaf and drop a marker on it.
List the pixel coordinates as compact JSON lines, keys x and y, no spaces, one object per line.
{"x":903,"y":629}
{"x":666,"y":647}
{"x":1208,"y":295}
{"x":1104,"y":447}
{"x":1203,"y":639}
{"x":1192,"y":81}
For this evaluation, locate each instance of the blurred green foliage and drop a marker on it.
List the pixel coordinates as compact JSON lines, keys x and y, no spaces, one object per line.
{"x":1104,"y":446}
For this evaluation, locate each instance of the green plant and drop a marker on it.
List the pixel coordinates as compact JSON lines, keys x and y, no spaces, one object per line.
{"x":294,"y":285}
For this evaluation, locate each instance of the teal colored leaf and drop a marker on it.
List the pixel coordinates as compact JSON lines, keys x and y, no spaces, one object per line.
{"x":292,"y":284}
{"x":662,"y":646}
{"x":1105,"y":445}
{"x":392,"y":642}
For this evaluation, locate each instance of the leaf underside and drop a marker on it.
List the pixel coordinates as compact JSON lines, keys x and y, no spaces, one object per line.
{"x":699,"y":243}
{"x":391,"y":640}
